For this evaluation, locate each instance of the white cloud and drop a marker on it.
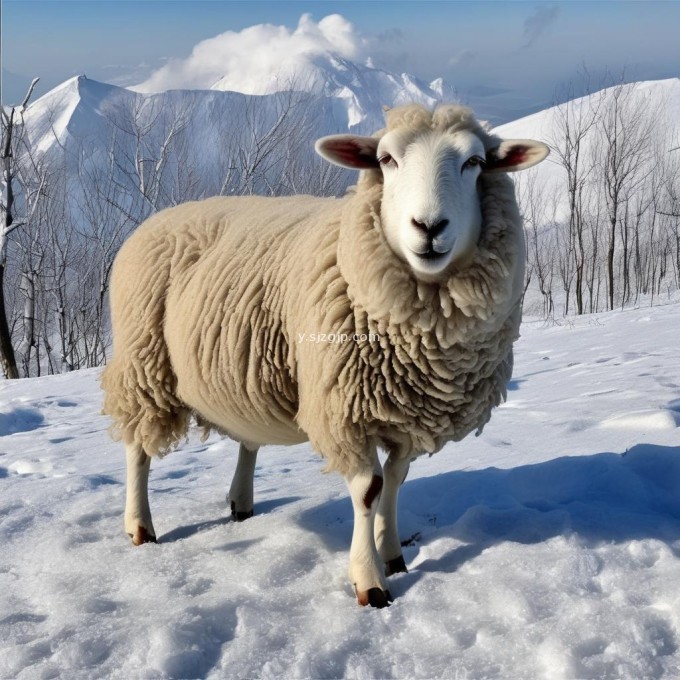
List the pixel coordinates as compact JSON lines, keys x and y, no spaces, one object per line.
{"x":255,"y":59}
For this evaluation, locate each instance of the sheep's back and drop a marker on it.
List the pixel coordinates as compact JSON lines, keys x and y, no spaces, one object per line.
{"x":237,"y":271}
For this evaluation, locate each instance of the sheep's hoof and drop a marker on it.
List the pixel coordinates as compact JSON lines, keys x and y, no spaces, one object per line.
{"x":142,"y":536}
{"x":375,"y":597}
{"x":395,"y":566}
{"x":238,"y":516}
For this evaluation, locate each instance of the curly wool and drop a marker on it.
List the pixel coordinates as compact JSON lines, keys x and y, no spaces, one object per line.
{"x":214,"y":303}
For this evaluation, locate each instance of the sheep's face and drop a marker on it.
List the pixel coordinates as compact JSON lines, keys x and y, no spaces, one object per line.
{"x":430,"y":214}
{"x":430,"y":210}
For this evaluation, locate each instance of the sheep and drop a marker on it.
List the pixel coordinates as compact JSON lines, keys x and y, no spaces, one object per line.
{"x":218,"y":307}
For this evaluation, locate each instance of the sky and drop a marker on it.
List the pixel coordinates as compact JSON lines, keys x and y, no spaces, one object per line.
{"x":517,"y":51}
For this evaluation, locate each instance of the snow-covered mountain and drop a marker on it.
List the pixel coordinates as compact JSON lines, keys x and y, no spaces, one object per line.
{"x":217,"y":132}
{"x":348,"y":96}
{"x":133,"y":137}
{"x":659,"y":99}
{"x":361,"y":88}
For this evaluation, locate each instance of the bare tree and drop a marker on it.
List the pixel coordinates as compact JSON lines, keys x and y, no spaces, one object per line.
{"x":620,"y":237}
{"x":269,"y":151}
{"x":143,"y":152}
{"x":625,"y":127}
{"x":573,"y":123}
{"x":12,"y":134}
{"x":538,"y":209}
{"x":593,"y":220}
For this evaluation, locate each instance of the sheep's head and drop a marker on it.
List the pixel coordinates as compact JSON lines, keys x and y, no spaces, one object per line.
{"x":430,"y":165}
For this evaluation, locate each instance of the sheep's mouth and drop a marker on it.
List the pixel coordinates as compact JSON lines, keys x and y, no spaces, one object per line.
{"x":432,"y":254}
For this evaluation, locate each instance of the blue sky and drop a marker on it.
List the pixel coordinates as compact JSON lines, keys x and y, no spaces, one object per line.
{"x":522,"y":50}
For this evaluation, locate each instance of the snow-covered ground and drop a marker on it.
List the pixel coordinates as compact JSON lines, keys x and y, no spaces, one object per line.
{"x":549,"y":547}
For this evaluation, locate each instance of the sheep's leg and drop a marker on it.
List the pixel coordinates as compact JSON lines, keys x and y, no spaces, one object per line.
{"x":138,"y":522}
{"x":366,"y":571}
{"x":241,"y":490}
{"x":386,"y":529}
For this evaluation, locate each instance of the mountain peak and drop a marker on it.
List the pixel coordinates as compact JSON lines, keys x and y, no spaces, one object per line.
{"x":362,"y":88}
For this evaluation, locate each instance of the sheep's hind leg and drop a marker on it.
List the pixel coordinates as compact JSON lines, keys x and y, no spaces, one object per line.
{"x":386,"y":529}
{"x":365,"y":566}
{"x":138,"y":522}
{"x":240,"y":495}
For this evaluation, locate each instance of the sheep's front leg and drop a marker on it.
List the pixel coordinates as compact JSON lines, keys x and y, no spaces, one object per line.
{"x":241,"y":491}
{"x":138,"y":522}
{"x":366,"y":571}
{"x":386,"y":529}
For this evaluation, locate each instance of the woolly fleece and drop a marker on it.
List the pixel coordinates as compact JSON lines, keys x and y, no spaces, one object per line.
{"x":214,"y":304}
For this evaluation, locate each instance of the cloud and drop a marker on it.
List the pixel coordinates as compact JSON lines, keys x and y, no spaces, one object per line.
{"x":254,"y":59}
{"x":538,"y":23}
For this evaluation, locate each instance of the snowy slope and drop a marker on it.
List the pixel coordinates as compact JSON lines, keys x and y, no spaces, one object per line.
{"x":660,"y":97}
{"x":549,"y":547}
{"x":82,"y":111}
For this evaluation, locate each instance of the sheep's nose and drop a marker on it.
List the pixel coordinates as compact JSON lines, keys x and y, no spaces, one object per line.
{"x":430,"y":229}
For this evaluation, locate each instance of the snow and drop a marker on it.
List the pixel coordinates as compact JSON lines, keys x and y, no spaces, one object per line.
{"x":361,"y":88}
{"x":77,"y":110}
{"x":54,"y":118}
{"x":662,"y":97}
{"x":73,"y":110}
{"x":548,"y":547}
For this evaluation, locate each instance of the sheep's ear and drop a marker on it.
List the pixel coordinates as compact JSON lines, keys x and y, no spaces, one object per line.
{"x":515,"y":154}
{"x":349,"y":151}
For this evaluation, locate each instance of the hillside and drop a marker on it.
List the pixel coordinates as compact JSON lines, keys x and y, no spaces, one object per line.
{"x":659,"y":99}
{"x":545,"y":548}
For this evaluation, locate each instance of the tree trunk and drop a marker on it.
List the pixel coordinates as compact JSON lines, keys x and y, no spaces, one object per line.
{"x":610,"y":261}
{"x":7,"y":358}
{"x":28,"y":343}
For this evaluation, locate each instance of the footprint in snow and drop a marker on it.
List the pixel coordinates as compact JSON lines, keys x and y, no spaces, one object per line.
{"x":20,"y":420}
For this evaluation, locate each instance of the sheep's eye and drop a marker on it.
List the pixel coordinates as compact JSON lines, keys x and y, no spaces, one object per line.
{"x":387,"y":161}
{"x":472,"y":162}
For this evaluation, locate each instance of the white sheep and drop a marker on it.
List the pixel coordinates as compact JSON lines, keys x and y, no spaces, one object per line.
{"x":220,"y":306}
